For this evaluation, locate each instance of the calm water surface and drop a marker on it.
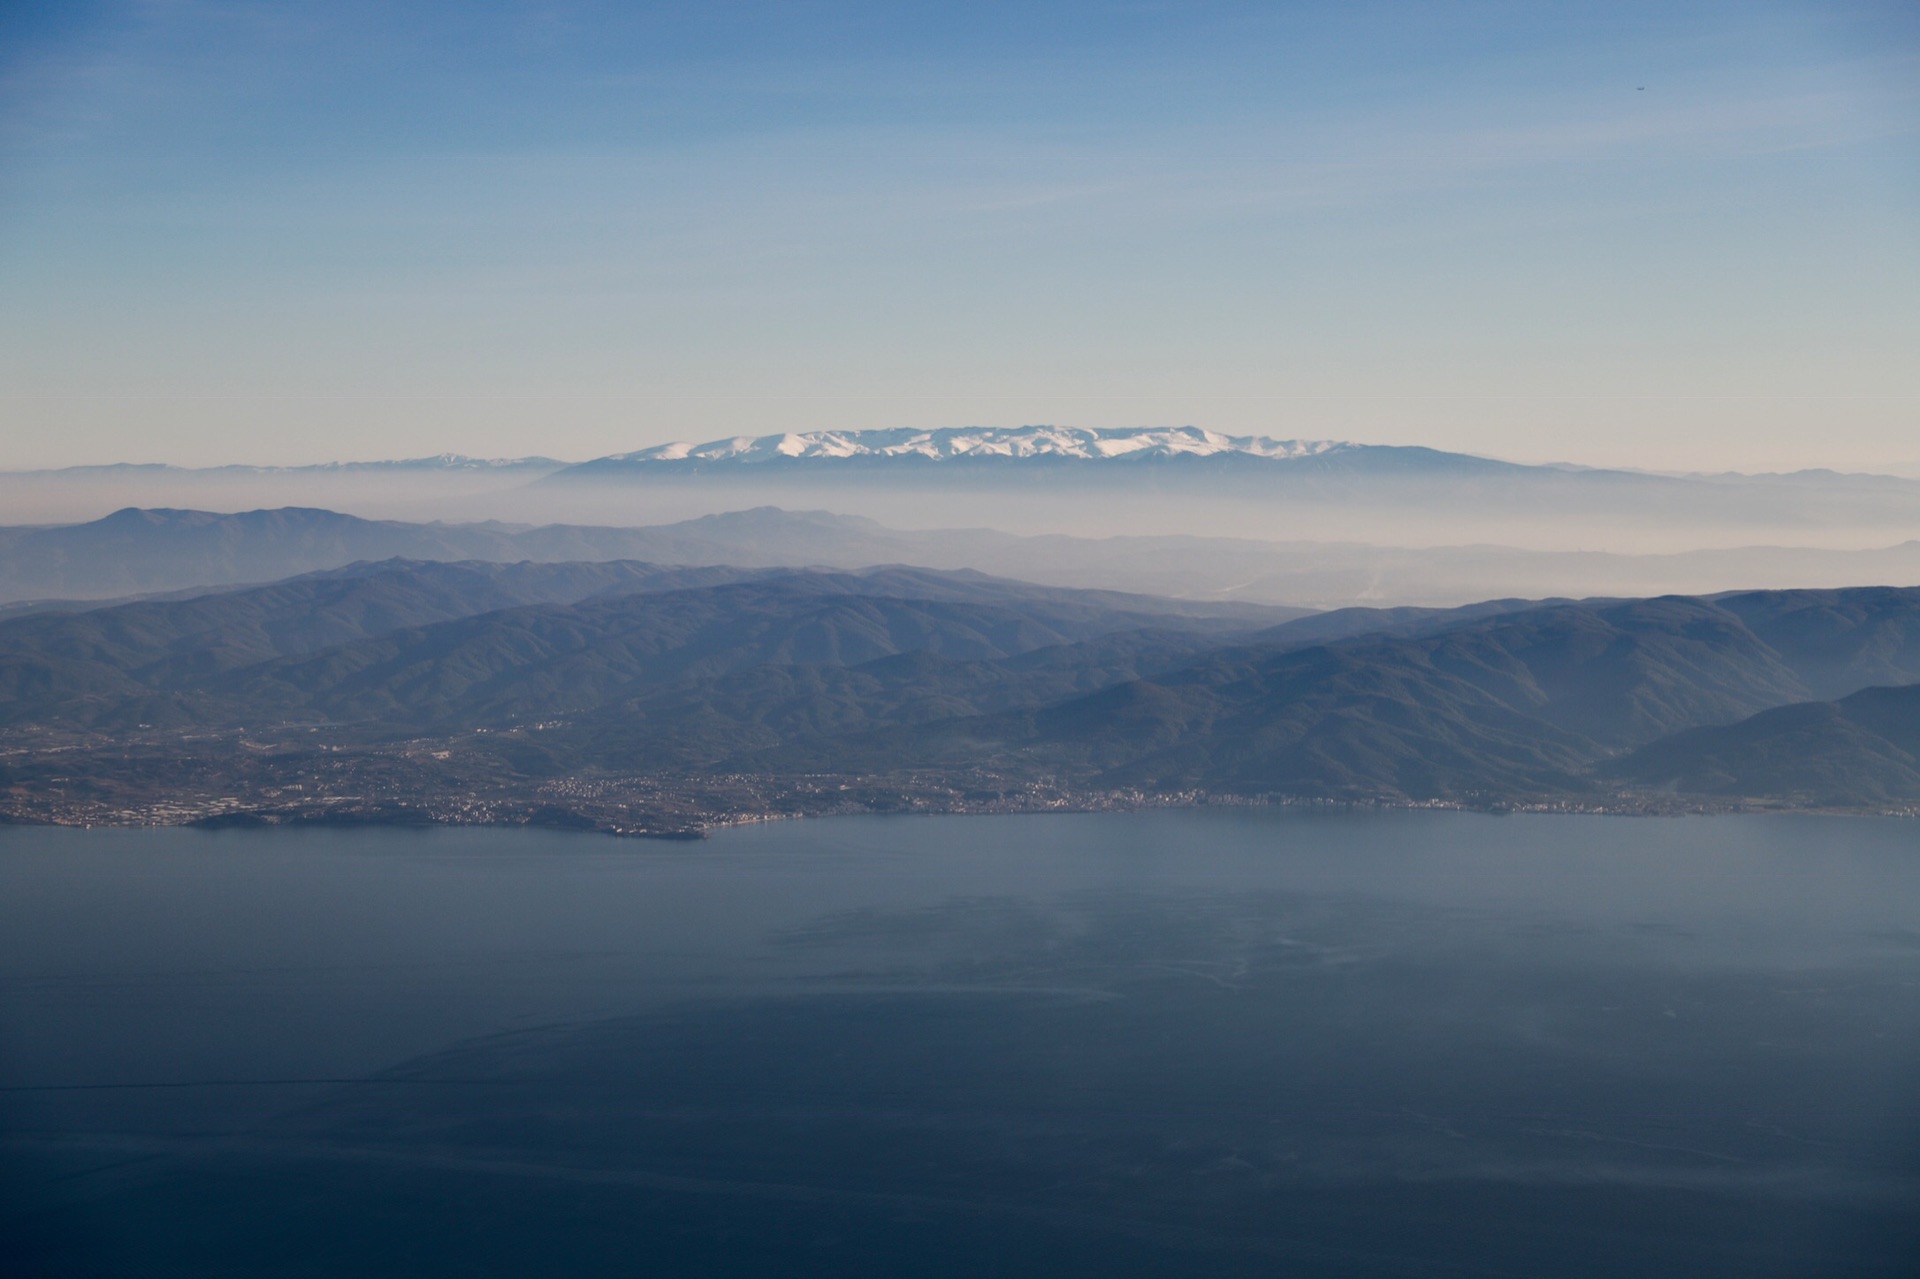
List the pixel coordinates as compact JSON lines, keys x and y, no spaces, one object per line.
{"x":1176,"y":1043}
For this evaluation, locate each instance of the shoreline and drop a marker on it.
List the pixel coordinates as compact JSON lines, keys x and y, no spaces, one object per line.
{"x":690,"y":827}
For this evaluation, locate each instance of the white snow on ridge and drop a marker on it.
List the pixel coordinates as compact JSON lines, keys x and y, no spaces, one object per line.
{"x":986,"y":441}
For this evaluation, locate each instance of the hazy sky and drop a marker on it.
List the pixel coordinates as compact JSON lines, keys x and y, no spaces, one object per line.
{"x":1669,"y":234}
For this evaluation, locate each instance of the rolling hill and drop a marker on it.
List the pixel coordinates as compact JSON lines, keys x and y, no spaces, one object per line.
{"x":1862,"y":751}
{"x":409,"y":644}
{"x":489,"y":679}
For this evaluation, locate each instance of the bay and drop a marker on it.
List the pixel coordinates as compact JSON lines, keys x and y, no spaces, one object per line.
{"x":1207,"y":1041}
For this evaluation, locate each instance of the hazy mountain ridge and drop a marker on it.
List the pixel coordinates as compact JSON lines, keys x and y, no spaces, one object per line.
{"x":442,"y":625}
{"x":1522,"y":701}
{"x":1186,"y":480}
{"x":89,"y":659}
{"x":1039,"y":480}
{"x":1509,"y":708}
{"x":138,"y":551}
{"x":531,"y":672}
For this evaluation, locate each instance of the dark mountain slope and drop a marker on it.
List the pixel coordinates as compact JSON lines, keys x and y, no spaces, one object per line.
{"x":916,"y":708}
{"x":1861,"y":751}
{"x":1347,"y":623}
{"x":1619,"y":674}
{"x":635,"y":670}
{"x":414,"y":644}
{"x":235,"y":628}
{"x":52,"y":661}
{"x":1321,"y":721}
{"x":1490,"y":706}
{"x":1516,"y":703}
{"x":1840,"y":640}
{"x":543,"y":662}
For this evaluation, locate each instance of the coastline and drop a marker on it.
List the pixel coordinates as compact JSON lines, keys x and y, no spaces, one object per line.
{"x":691,"y":825}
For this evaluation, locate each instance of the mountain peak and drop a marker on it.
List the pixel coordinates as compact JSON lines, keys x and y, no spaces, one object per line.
{"x":980,"y":442}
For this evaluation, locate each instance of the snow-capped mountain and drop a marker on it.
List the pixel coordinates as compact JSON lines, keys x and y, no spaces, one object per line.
{"x":1063,"y":442}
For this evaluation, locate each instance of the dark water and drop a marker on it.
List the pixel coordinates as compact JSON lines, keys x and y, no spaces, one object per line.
{"x":1162,"y":1044}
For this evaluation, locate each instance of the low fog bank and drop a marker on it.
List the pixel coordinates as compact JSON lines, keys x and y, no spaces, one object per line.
{"x":148,"y":552}
{"x":1537,"y":509}
{"x":1422,"y":501}
{"x":82,"y":494}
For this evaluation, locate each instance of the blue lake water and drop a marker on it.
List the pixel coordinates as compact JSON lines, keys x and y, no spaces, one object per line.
{"x":1208,"y":1042}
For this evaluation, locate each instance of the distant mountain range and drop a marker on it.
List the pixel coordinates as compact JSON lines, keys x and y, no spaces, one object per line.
{"x":955,"y":445}
{"x":963,"y":445}
{"x":1185,"y":450}
{"x":1045,"y":479}
{"x":143,"y":552}
{"x":983,"y":444}
{"x":300,"y":663}
{"x":592,"y":692}
{"x":1185,"y":480}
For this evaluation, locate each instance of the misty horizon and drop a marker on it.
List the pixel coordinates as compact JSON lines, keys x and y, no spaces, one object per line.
{"x":1035,"y":481}
{"x":1903,"y":467}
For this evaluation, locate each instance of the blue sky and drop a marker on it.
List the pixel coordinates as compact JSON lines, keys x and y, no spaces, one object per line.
{"x":1667,"y":235}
